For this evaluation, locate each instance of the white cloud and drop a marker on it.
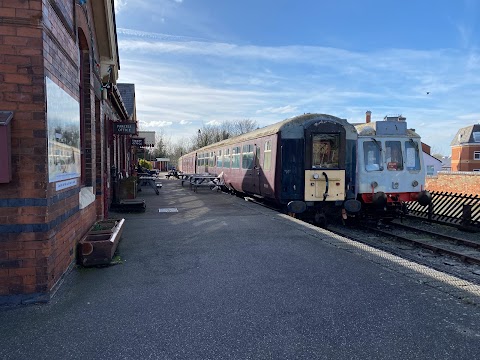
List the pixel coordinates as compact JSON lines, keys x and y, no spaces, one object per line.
{"x":119,"y":5}
{"x":155,"y":123}
{"x":213,"y":123}
{"x":288,"y":109}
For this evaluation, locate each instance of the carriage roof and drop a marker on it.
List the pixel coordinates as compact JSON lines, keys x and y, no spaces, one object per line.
{"x":287,"y":125}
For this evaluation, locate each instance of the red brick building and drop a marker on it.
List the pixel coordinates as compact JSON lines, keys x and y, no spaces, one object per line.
{"x":466,"y":149}
{"x":63,"y":131}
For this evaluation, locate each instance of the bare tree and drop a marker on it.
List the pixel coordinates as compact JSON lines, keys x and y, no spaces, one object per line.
{"x":244,"y":126}
{"x":175,"y":151}
{"x":210,"y":134}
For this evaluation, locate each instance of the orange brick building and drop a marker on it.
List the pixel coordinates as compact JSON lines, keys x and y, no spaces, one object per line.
{"x":466,"y":149}
{"x":59,"y":110}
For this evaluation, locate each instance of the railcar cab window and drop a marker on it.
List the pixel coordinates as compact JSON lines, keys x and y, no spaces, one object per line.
{"x":236,"y":157}
{"x":325,"y":151}
{"x":267,"y":155}
{"x":393,"y":155}
{"x":412,"y":155}
{"x":247,"y":156}
{"x":372,"y":155}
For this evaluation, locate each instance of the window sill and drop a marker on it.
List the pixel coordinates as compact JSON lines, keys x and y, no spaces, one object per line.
{"x":86,"y":197}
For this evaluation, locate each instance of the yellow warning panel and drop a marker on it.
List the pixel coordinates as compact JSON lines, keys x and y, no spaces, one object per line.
{"x":319,"y":183}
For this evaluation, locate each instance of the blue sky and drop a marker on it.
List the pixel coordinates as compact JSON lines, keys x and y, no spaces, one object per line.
{"x":201,"y":62}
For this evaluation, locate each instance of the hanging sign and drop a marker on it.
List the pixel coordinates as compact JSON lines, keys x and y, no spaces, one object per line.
{"x":124,"y":128}
{"x":139,"y":142}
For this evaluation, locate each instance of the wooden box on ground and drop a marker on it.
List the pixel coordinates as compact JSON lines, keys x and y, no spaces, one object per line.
{"x":98,"y":246}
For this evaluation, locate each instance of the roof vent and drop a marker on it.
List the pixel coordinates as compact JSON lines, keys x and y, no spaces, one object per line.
{"x":394,"y":118}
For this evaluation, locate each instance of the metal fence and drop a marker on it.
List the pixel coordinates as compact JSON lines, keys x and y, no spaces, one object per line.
{"x":451,"y":208}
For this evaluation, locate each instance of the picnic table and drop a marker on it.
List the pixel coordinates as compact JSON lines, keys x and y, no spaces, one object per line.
{"x":172,"y":173}
{"x":146,"y":180}
{"x":213,"y":182}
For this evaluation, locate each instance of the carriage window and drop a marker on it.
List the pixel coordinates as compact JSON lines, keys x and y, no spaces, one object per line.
{"x":236,"y":157}
{"x":247,"y":157}
{"x":325,"y":151}
{"x":226,"y":158}
{"x":267,"y":155}
{"x":219,"y":159}
{"x":393,"y":155}
{"x":412,"y":154}
{"x":372,"y":155}
{"x":211,"y":159}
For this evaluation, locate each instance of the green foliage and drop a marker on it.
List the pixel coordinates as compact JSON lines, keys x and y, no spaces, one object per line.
{"x":145,"y":163}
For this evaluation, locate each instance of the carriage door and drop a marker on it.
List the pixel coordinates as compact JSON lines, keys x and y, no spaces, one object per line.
{"x":250,"y":178}
{"x":257,"y":171}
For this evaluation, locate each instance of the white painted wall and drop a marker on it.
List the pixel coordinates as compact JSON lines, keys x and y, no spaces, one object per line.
{"x":432,"y":164}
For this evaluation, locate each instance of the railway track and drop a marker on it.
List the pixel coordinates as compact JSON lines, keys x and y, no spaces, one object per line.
{"x":463,"y":249}
{"x":441,"y":247}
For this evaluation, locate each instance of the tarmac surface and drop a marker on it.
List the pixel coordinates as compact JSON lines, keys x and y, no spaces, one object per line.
{"x":207,"y":275}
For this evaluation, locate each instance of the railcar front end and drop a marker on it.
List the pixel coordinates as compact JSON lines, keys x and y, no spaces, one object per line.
{"x":391,"y":170}
{"x":318,"y":166}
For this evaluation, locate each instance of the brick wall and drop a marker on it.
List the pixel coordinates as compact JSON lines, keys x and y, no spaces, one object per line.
{"x":39,"y":225}
{"x":463,"y":158}
{"x":456,"y":182}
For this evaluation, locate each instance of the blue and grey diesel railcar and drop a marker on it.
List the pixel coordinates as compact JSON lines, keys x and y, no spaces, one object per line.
{"x":306,"y":164}
{"x":391,"y":172}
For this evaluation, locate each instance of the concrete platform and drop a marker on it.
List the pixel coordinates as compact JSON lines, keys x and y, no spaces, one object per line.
{"x":206,"y":275}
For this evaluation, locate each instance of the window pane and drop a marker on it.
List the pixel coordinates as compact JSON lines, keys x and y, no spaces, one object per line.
{"x":325,"y":151}
{"x":371,"y":153}
{"x":219,"y":159}
{"x":247,"y":157}
{"x":393,"y":155}
{"x":236,"y":158}
{"x":226,"y":159}
{"x":267,"y":156}
{"x":412,"y":154}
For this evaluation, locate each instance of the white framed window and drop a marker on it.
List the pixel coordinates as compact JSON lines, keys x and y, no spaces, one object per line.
{"x":226,"y":159}
{"x":430,"y":169}
{"x":219,"y":159}
{"x":247,"y":156}
{"x":267,"y":155}
{"x":236,"y":157}
{"x":476,"y":155}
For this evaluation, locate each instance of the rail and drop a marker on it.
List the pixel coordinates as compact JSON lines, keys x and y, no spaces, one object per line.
{"x":454,"y":209}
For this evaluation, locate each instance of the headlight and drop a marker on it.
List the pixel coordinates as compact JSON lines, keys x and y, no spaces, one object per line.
{"x":414,"y":183}
{"x":374,"y":184}
{"x":394,"y":185}
{"x":316,"y":176}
